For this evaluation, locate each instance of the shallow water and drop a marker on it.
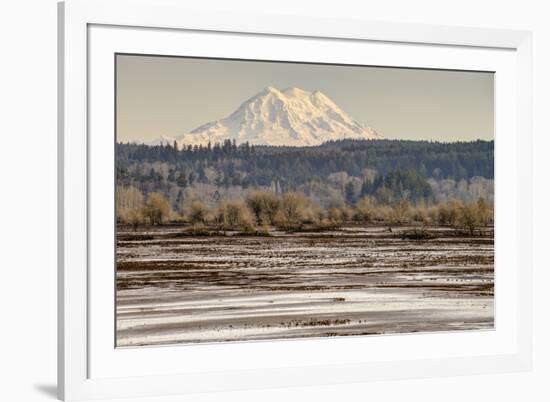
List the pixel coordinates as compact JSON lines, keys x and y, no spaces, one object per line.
{"x":355,"y":281}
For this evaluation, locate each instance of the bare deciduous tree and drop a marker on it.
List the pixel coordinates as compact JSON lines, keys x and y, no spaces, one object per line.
{"x":255,"y":201}
{"x":399,"y":212}
{"x":157,"y":209}
{"x":196,"y":212}
{"x":365,"y":209}
{"x":271,"y":204}
{"x":235,"y":215}
{"x":485,"y":212}
{"x":469,"y":217}
{"x":292,"y":209}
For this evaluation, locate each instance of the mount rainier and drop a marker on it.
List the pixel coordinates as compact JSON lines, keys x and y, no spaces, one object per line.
{"x":290,"y":117}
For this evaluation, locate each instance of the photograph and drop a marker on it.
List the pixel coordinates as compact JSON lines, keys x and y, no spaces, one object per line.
{"x":269,"y":200}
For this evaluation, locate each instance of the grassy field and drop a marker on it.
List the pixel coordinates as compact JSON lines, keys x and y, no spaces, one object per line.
{"x":179,"y":286}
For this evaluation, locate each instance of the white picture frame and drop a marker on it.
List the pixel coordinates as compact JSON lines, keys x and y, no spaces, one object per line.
{"x":89,"y":367}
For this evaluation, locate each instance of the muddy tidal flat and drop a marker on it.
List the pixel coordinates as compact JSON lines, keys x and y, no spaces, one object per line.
{"x":173,"y":287}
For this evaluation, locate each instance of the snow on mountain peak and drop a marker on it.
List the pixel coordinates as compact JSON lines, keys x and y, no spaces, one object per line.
{"x":290,"y":117}
{"x":271,"y":89}
{"x":294,"y":92}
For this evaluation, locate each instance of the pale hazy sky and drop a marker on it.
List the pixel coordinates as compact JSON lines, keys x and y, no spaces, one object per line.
{"x":173,"y":95}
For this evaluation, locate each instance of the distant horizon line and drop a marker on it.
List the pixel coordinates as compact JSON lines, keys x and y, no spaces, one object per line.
{"x":170,"y":143}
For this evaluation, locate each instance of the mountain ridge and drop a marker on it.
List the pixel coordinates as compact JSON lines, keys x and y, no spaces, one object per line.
{"x":288,"y":117}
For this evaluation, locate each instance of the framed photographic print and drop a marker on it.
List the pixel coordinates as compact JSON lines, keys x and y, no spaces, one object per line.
{"x":258,"y":201}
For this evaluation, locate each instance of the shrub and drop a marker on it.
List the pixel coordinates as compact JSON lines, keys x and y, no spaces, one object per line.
{"x":469,"y":217}
{"x":419,"y":214}
{"x":264,"y":205}
{"x":131,"y":216}
{"x":346,"y":213}
{"x":335,"y":216}
{"x":399,"y":212}
{"x":485,"y":212}
{"x":432,"y":214}
{"x":130,"y":206}
{"x":255,"y":202}
{"x":128,"y":197}
{"x":157,"y":209}
{"x":197,"y":212}
{"x":365,"y":210}
{"x":313,"y":215}
{"x":271,"y":204}
{"x":292,"y":210}
{"x":235,"y":216}
{"x":449,"y":213}
{"x":319,"y":215}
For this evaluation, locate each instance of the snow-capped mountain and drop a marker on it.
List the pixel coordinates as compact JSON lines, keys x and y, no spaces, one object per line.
{"x":291,"y":117}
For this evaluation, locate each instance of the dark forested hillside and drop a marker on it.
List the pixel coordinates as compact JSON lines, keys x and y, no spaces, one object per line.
{"x":352,"y":168}
{"x":459,"y":160}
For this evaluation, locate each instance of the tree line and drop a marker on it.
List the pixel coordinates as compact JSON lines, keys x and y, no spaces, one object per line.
{"x":250,"y":166}
{"x":339,"y":172}
{"x":259,"y":211}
